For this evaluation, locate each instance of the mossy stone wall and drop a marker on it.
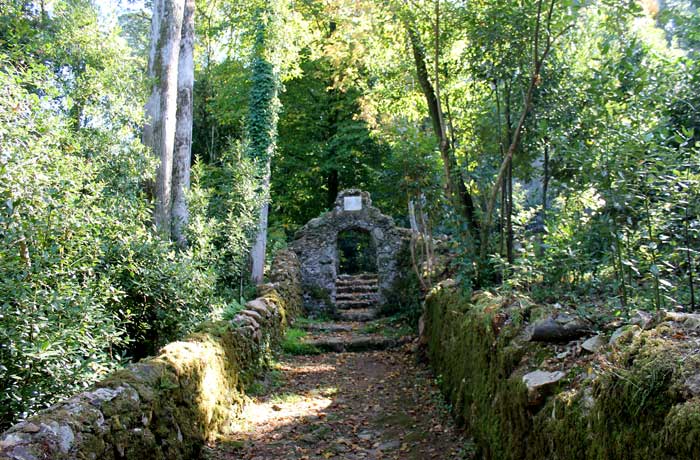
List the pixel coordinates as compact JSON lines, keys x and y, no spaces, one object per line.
{"x":166,"y":407}
{"x":635,"y":400}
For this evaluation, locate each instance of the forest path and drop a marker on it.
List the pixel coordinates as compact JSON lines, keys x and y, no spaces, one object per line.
{"x":367,"y":405}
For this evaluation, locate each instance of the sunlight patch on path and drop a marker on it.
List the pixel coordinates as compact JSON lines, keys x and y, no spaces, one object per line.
{"x":272,"y":413}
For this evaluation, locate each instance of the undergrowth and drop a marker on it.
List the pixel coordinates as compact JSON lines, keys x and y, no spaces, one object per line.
{"x":293,"y":343}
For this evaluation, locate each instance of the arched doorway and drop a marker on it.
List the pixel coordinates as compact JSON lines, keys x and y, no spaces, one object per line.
{"x":357,"y":252}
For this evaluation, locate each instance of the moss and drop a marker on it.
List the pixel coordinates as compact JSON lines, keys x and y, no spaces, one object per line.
{"x":633,"y":409}
{"x":560,"y":429}
{"x":404,"y":297}
{"x":639,"y":388}
{"x":322,"y":295}
{"x":681,"y":436}
{"x":475,"y":362}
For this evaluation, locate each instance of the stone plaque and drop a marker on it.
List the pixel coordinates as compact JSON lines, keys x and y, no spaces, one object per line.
{"x":352,"y":203}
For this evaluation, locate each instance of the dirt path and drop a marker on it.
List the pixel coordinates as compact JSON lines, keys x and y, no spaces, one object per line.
{"x":369,"y":405}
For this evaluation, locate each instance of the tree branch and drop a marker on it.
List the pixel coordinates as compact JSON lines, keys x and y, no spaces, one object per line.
{"x":527,"y":106}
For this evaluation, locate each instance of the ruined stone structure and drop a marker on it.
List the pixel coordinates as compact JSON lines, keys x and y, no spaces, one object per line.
{"x":316,"y":245}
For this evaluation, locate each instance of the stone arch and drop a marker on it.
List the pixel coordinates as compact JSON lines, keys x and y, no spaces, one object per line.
{"x":316,"y":246}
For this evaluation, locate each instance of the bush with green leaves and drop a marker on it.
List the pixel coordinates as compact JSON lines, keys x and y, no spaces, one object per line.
{"x":85,"y":282}
{"x":224,"y":203}
{"x":57,"y":331}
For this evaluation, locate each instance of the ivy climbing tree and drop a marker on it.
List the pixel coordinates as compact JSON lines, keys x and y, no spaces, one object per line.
{"x":262,"y":125}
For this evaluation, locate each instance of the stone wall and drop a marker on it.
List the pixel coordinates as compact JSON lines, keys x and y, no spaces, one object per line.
{"x":316,"y":246}
{"x":166,"y":407}
{"x":630,"y":391}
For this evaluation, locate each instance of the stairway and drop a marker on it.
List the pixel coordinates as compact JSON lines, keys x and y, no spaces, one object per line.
{"x":356,"y":296}
{"x":356,"y":327}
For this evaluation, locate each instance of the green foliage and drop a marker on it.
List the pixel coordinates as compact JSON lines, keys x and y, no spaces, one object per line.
{"x":356,"y":252}
{"x":224,"y":204}
{"x":624,"y":171}
{"x":615,"y":113}
{"x":412,"y":170}
{"x":324,"y":145}
{"x":264,"y":104}
{"x":70,"y":174}
{"x":293,"y":343}
{"x":163,"y":293}
{"x":219,"y":111}
{"x":404,"y":299}
{"x":54,"y":221}
{"x":85,"y":283}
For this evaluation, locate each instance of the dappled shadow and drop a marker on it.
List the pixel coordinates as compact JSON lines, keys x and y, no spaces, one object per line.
{"x":345,"y":406}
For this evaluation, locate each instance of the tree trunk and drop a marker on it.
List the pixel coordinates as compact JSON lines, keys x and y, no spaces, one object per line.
{"x":257,"y":253}
{"x":412,"y":216}
{"x":545,"y":181}
{"x":538,"y":60}
{"x":262,"y":132}
{"x":508,"y":187}
{"x":502,"y":224}
{"x":159,"y":132}
{"x":509,"y":215}
{"x":333,"y":185}
{"x":503,"y":170}
{"x":545,"y":188}
{"x":183,"y":131}
{"x":154,"y":98}
{"x":456,"y":191}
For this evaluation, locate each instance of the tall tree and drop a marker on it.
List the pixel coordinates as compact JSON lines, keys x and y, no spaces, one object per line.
{"x":262,"y":128}
{"x":183,"y":130}
{"x":542,"y":40}
{"x":161,"y":108}
{"x":169,"y":111}
{"x":456,"y":191}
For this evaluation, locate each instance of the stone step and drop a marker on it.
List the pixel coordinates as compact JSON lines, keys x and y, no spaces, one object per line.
{"x":356,"y":283}
{"x":339,"y":282}
{"x":326,"y":327}
{"x":360,"y":314}
{"x":359,"y":276}
{"x":357,"y":288}
{"x":356,"y":296}
{"x":356,"y":343}
{"x":355,"y":304}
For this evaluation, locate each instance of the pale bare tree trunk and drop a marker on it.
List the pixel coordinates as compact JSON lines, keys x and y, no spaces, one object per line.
{"x":183,"y":130}
{"x":412,"y":216}
{"x":421,"y":235}
{"x":159,"y":133}
{"x":154,"y":98}
{"x":257,"y":253}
